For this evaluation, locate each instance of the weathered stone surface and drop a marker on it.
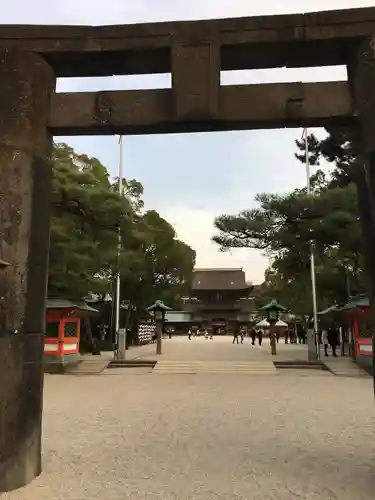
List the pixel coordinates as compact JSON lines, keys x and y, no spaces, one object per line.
{"x":240,"y":107}
{"x":26,"y":83}
{"x":363,"y":82}
{"x":294,"y":40}
{"x":195,"y":79}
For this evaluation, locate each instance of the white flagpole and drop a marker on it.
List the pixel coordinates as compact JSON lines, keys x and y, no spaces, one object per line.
{"x":118,"y":277}
{"x":312,"y":255}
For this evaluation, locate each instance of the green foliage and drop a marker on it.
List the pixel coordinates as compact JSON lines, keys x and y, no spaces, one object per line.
{"x":87,"y":213}
{"x":161,"y":266}
{"x":284,"y":226}
{"x":336,"y":148}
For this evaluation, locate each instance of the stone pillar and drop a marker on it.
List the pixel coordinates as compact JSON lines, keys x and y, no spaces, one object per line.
{"x":122,"y":344}
{"x":273,"y":339}
{"x":26,"y":84}
{"x":159,"y":333}
{"x":361,"y":74}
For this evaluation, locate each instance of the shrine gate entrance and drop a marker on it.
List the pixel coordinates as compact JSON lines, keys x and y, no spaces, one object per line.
{"x":32,"y":57}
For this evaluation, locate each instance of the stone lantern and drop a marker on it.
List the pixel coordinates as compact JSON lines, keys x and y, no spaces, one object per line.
{"x":273,"y":309}
{"x":158,"y":309}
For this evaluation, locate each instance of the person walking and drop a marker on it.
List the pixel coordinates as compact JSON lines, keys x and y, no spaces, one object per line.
{"x":286,"y":336}
{"x":242,"y":334}
{"x":189,"y":333}
{"x":253,"y":335}
{"x":260,"y":337}
{"x":235,"y":335}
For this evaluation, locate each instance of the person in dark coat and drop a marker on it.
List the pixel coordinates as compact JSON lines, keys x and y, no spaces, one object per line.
{"x":235,"y":335}
{"x":333,"y":339}
{"x":253,"y":335}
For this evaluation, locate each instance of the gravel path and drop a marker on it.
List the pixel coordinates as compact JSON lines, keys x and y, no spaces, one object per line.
{"x":123,"y":435}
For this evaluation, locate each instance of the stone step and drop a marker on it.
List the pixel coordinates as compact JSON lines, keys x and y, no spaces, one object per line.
{"x":88,"y":367}
{"x":350,"y":373}
{"x":342,"y":368}
{"x":300,"y":372}
{"x":131,"y":363}
{"x":214,"y":367}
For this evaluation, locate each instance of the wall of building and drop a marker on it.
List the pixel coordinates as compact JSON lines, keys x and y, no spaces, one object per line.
{"x":178,"y":317}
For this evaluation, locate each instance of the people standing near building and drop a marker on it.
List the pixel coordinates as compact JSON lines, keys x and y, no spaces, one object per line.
{"x":260,"y":337}
{"x":206,"y":334}
{"x":235,"y":335}
{"x":189,"y":334}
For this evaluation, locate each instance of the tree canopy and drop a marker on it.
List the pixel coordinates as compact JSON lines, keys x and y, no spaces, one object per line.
{"x":284,"y":226}
{"x":87,"y":213}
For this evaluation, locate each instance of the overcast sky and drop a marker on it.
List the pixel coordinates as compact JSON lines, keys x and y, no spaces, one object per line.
{"x":192,"y":178}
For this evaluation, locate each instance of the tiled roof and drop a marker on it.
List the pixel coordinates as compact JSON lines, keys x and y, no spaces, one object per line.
{"x":67,"y":304}
{"x":219,"y":279}
{"x":355,"y":302}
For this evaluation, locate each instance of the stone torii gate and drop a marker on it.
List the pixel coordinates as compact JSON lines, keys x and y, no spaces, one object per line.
{"x":32,"y":57}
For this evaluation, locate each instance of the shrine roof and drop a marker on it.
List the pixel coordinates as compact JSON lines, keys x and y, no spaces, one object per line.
{"x":68,"y":304}
{"x":358,"y":302}
{"x":219,"y":279}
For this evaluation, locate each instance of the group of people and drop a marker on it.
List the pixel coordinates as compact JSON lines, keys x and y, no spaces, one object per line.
{"x":329,"y":338}
{"x":290,"y":336}
{"x":239,"y":336}
{"x":197,"y":333}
